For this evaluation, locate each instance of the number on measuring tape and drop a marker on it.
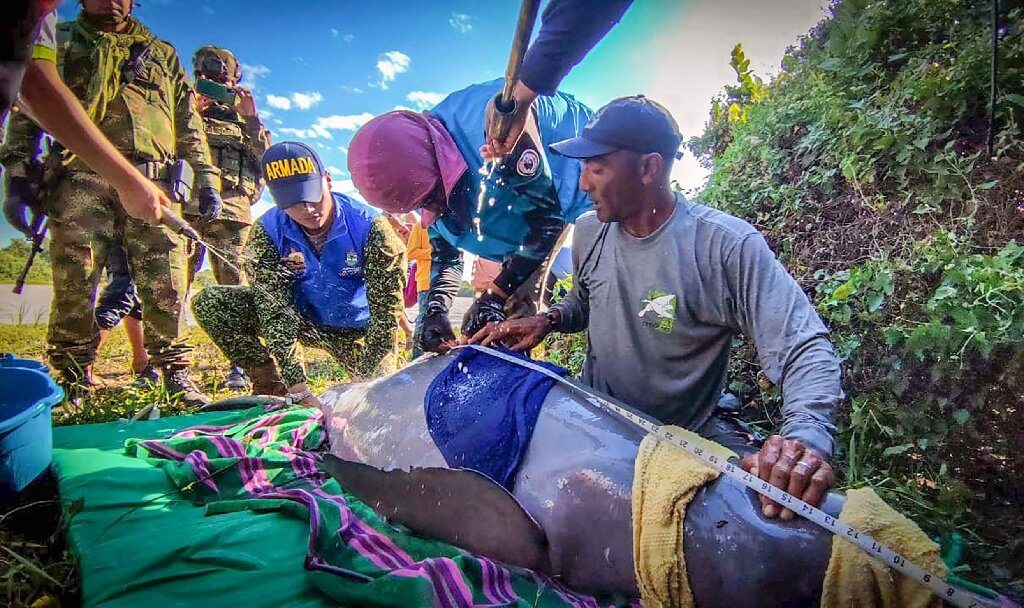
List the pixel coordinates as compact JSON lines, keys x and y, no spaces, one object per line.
{"x":853,"y":534}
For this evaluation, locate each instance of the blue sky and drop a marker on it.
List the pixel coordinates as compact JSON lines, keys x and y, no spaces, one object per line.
{"x":319,"y":69}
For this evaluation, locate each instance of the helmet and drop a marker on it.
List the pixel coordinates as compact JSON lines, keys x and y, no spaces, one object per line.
{"x":217,"y":64}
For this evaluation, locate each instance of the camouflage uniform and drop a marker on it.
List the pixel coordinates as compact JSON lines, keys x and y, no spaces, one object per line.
{"x":151,"y":119}
{"x":236,"y":145}
{"x":236,"y":318}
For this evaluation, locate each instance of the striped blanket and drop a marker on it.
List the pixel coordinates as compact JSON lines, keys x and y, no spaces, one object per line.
{"x":269,"y":462}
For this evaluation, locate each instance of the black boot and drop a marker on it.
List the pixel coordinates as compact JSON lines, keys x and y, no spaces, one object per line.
{"x":179,"y":385}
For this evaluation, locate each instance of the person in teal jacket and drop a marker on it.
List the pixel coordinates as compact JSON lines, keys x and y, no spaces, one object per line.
{"x":510,"y":210}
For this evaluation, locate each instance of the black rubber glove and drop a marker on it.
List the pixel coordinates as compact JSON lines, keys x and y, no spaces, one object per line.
{"x":209,"y":203}
{"x":22,"y":196}
{"x":434,"y":329}
{"x":488,"y":308}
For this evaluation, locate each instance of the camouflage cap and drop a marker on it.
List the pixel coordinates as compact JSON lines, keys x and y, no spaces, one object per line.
{"x":217,"y":64}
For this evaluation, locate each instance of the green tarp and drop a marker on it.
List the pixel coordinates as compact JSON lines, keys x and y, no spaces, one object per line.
{"x":222,"y":514}
{"x":139,"y":544}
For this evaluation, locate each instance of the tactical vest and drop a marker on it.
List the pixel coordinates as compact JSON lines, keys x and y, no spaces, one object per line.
{"x":332,"y":291}
{"x":226,"y":136}
{"x":139,"y":119}
{"x":494,"y":226}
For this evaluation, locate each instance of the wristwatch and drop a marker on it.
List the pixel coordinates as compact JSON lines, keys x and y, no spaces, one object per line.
{"x":554,"y":318}
{"x":293,"y":398}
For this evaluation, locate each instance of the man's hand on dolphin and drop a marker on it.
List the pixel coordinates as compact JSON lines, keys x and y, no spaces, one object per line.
{"x":791,"y":466}
{"x":517,"y":334}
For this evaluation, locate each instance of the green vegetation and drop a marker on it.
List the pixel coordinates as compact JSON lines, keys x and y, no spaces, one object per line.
{"x":12,"y":261}
{"x":865,"y":164}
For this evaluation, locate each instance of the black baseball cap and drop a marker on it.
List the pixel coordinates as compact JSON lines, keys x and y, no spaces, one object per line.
{"x":294,"y":174}
{"x":627,"y":123}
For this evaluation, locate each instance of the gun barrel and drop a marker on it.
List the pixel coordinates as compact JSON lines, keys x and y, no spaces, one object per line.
{"x":37,"y":247}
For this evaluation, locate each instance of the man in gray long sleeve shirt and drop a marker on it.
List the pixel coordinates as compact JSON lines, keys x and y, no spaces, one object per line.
{"x":663,"y":285}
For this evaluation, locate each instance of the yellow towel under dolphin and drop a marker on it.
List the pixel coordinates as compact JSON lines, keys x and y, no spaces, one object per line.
{"x":666,"y":478}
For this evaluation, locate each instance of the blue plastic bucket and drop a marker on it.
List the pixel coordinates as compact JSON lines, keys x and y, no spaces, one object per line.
{"x":27,"y":397}
{"x":9,"y":360}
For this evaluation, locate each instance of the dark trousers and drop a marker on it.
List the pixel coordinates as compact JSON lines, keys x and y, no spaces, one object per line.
{"x":119,"y":298}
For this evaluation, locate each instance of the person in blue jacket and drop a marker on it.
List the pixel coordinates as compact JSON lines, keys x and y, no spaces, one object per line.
{"x":510,"y":210}
{"x":324,"y":270}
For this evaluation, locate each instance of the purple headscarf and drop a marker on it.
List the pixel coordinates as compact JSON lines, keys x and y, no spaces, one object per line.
{"x":398,"y":158}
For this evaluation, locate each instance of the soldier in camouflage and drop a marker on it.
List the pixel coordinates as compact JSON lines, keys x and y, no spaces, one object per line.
{"x":325,"y":271}
{"x":134,"y":88}
{"x":237,"y":142}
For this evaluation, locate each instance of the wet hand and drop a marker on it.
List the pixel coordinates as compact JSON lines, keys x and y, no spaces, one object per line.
{"x":246,"y":103}
{"x":789,"y":465}
{"x":518,"y":334}
{"x":294,"y":263}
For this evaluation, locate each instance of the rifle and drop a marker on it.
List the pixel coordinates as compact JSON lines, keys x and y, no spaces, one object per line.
{"x":40,"y":225}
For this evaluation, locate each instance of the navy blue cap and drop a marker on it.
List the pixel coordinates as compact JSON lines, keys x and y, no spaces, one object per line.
{"x":294,"y":174}
{"x":627,"y":123}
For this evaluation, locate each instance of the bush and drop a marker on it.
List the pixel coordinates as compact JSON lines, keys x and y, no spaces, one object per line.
{"x":865,"y":164}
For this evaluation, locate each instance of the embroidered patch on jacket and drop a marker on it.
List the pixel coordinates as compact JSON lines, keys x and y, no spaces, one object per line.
{"x":352,"y":267}
{"x":528,"y":163}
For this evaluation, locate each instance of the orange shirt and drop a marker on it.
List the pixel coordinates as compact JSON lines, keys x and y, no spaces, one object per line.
{"x":418,"y":250}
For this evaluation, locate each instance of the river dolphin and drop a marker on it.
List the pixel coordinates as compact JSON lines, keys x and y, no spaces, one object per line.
{"x":569,"y":514}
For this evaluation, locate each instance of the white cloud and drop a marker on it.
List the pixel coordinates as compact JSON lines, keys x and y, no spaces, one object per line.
{"x":336,"y":172}
{"x":209,"y":10}
{"x":401,"y":107}
{"x":461,"y":22}
{"x":300,"y":133}
{"x":305,"y":101}
{"x":281,"y":103}
{"x":277,"y":121}
{"x":321,"y":129}
{"x":252,"y":73}
{"x":301,"y":101}
{"x":347,"y":122}
{"x":350,"y":89}
{"x":424,"y":99}
{"x":391,"y":64}
{"x":348,"y":37}
{"x":334,"y":32}
{"x":343,"y":149}
{"x":346,"y":187}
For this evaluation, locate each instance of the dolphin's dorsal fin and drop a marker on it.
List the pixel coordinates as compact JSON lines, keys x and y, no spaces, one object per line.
{"x":457,"y":506}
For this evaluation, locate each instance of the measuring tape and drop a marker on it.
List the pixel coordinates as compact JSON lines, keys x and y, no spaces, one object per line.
{"x":949,"y":593}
